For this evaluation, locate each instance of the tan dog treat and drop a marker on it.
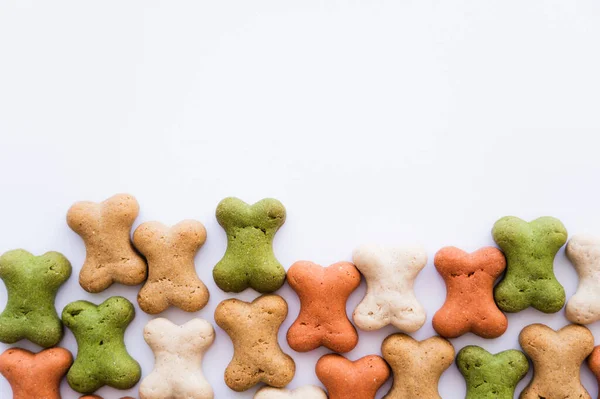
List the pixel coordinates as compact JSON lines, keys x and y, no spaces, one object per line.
{"x":557,"y":358}
{"x":345,"y":379}
{"x":470,"y":305}
{"x":416,"y":365}
{"x":35,"y":375}
{"x":305,"y":392}
{"x":172,"y":278}
{"x":323,"y":292}
{"x":105,"y":229}
{"x":257,"y":356}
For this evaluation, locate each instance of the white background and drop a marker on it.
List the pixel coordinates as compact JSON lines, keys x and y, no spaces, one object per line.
{"x":398,"y":122}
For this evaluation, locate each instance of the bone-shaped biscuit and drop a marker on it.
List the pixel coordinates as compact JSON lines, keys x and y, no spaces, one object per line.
{"x":105,"y":229}
{"x":257,"y":356}
{"x":249,"y":260}
{"x":323,"y":292}
{"x":557,"y":358}
{"x":178,"y":352}
{"x":530,"y":249}
{"x":35,"y":375}
{"x":102,"y":358}
{"x":345,"y":379}
{"x":594,"y":365}
{"x":305,"y":392}
{"x":491,"y":376}
{"x":416,"y":365}
{"x":172,"y":278}
{"x":584,"y":253}
{"x":390,"y":273}
{"x":31,"y":284}
{"x":469,"y":305}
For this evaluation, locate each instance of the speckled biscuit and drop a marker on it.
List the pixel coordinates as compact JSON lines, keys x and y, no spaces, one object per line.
{"x":31,"y":284}
{"x":172,"y":278}
{"x":102,"y":358}
{"x":390,"y":273}
{"x":305,"y":392}
{"x":178,"y":352}
{"x":345,"y":379}
{"x":469,"y":305}
{"x":257,"y":356}
{"x":584,"y":253}
{"x":323,"y":293}
{"x":35,"y":375}
{"x":105,"y":229}
{"x":491,"y":376}
{"x":557,"y":357}
{"x":249,"y":260}
{"x":416,"y":365}
{"x":530,"y":249}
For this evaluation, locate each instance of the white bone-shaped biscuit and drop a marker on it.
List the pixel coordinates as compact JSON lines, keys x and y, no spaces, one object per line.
{"x":390,"y":273}
{"x":178,"y":352}
{"x":584,"y":253}
{"x":305,"y":392}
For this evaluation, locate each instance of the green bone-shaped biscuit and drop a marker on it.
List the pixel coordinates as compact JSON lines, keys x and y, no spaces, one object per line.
{"x":102,"y":358}
{"x":530,"y":249}
{"x":249,"y":260}
{"x":31,"y":284}
{"x":491,"y":376}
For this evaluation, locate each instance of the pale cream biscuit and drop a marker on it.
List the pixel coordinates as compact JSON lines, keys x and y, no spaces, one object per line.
{"x":305,"y":392}
{"x":584,"y":253}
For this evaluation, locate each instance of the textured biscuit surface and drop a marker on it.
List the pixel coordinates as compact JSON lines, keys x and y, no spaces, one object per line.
{"x":105,"y":229}
{"x":102,"y":358}
{"x":345,"y":379}
{"x":178,"y":352}
{"x":470,"y":305}
{"x":35,"y":375}
{"x":31,"y":284}
{"x":257,"y":356}
{"x":323,"y":292}
{"x":249,"y":260}
{"x":390,"y":273}
{"x":172,"y":278}
{"x":584,"y":253}
{"x":416,"y":365}
{"x":557,"y":357}
{"x":530,"y":249}
{"x":305,"y":392}
{"x":491,"y":376}
{"x":594,"y":364}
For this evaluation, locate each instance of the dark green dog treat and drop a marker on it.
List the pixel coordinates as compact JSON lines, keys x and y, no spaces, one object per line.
{"x":102,"y":358}
{"x":31,"y":284}
{"x":249,"y":260}
{"x":530,"y":249}
{"x":491,"y":376}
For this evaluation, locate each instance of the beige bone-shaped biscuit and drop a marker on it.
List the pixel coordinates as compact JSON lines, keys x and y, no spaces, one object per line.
{"x":178,"y":352}
{"x":257,"y":356}
{"x":416,"y":365}
{"x":172,"y":278}
{"x":305,"y":392}
{"x":105,"y":229}
{"x":584,"y":253}
{"x":557,"y":358}
{"x":390,"y":273}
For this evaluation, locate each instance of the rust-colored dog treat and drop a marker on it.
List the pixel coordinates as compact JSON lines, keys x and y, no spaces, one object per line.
{"x":105,"y":229}
{"x":470,"y":305}
{"x":594,"y":364}
{"x":172,"y":278}
{"x":557,"y":358}
{"x":35,"y":375}
{"x":345,"y":379}
{"x":323,"y":292}
{"x":257,"y":356}
{"x":416,"y":365}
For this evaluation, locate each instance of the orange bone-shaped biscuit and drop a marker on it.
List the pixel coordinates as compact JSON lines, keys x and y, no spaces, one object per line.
{"x":323,"y":293}
{"x":594,"y":364}
{"x":470,"y":305}
{"x":345,"y":379}
{"x":35,"y":375}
